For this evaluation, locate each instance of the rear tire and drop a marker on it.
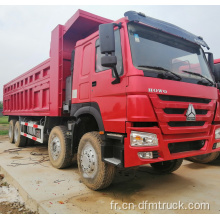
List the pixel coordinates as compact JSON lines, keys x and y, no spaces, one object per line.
{"x":95,"y":174}
{"x":205,"y":158}
{"x":167,"y":166}
{"x":19,"y":140}
{"x":59,"y":148}
{"x":11,"y":131}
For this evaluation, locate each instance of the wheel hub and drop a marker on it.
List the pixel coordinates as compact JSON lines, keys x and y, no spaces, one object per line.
{"x":88,"y":159}
{"x":55,"y":148}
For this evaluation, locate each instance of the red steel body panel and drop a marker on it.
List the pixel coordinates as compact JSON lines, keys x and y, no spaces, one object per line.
{"x":41,"y":90}
{"x":23,"y":95}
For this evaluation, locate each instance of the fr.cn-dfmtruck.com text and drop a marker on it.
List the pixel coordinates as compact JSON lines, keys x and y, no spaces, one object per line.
{"x":146,"y":205}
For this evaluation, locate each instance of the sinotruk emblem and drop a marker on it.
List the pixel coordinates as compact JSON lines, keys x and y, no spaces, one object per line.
{"x":191,"y":113}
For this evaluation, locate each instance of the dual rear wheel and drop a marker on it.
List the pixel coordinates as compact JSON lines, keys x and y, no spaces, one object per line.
{"x":15,"y":136}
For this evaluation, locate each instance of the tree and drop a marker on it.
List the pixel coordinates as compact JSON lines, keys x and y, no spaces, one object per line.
{"x":1,"y":105}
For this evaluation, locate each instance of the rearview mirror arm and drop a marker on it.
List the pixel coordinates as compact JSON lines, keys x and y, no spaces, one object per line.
{"x":117,"y":80}
{"x":119,"y":25}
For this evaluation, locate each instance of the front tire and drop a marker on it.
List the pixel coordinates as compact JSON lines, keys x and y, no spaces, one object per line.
{"x":205,"y":158}
{"x":11,"y":131}
{"x":59,"y":148}
{"x":166,"y":167}
{"x":19,"y":139}
{"x":94,"y":173}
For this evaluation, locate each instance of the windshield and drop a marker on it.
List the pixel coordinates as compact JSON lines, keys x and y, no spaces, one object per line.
{"x":153,"y":48}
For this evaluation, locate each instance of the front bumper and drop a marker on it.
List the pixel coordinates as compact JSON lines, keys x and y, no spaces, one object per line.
{"x":131,"y":157}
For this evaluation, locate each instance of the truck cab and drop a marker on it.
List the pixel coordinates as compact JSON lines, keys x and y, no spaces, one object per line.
{"x":166,"y":91}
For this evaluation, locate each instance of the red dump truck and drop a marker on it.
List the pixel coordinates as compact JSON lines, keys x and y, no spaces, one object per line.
{"x":117,"y":94}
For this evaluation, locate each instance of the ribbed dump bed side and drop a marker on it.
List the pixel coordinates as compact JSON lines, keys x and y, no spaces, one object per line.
{"x":29,"y":93}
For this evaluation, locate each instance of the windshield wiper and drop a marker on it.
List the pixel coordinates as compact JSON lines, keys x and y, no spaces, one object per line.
{"x":161,"y":68}
{"x":197,"y":74}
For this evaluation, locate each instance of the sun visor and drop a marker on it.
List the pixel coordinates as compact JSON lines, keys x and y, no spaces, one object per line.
{"x":165,"y":27}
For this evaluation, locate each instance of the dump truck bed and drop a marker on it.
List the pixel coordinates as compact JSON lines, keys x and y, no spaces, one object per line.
{"x":30,"y":92}
{"x":41,"y":90}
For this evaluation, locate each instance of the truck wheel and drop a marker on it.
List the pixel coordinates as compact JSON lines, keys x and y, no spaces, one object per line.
{"x":19,"y":140}
{"x":59,"y":148}
{"x":94,"y":173}
{"x":205,"y":158}
{"x":11,"y":131}
{"x":167,"y":166}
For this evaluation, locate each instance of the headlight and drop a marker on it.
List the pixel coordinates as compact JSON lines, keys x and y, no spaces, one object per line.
{"x":143,"y":139}
{"x":217,"y":133}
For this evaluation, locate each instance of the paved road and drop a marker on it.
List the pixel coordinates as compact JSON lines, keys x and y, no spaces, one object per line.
{"x":48,"y":190}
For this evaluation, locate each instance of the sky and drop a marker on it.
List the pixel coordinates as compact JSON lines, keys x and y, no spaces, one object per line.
{"x":25,"y":31}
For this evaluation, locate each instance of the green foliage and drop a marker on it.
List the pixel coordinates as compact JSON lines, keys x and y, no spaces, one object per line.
{"x":4,"y":120}
{"x":4,"y":132}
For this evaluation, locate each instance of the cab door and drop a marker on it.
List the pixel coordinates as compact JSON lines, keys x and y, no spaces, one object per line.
{"x":82,"y":74}
{"x":110,"y":98}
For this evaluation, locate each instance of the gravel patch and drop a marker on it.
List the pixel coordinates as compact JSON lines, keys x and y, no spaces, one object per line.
{"x":10,"y":200}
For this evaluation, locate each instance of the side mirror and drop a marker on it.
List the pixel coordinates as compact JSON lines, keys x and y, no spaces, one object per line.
{"x":216,"y":73}
{"x":107,"y":47}
{"x":107,"y":38}
{"x":109,"y":61}
{"x":210,"y":61}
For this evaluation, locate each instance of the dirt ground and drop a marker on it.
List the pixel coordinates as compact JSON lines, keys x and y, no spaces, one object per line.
{"x":193,"y":182}
{"x":13,"y":208}
{"x":3,"y":137}
{"x":10,"y":207}
{"x":11,"y":201}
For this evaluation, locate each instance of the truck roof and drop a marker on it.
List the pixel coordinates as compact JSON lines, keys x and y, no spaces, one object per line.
{"x":165,"y":27}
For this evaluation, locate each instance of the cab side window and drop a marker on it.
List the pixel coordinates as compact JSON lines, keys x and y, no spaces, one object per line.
{"x":118,"y":53}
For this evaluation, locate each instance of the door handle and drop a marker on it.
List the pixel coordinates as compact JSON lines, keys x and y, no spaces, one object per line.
{"x":93,"y":83}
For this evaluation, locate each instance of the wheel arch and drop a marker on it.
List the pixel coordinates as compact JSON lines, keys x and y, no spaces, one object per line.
{"x":91,"y":109}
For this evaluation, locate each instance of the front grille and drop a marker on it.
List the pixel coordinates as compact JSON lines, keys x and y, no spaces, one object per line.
{"x":183,"y":99}
{"x":145,"y":124}
{"x":185,"y":123}
{"x":180,"y":111}
{"x":185,"y":146}
{"x":171,"y":113}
